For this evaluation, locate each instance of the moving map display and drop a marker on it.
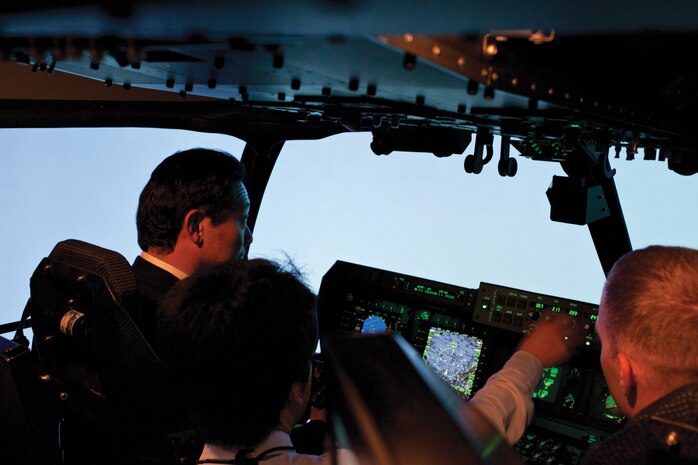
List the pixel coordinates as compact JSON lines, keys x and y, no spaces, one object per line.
{"x":454,"y":356}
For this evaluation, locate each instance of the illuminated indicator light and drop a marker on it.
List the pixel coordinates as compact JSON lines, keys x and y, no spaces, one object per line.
{"x":588,"y":343}
{"x":610,"y":402}
{"x":436,"y":50}
{"x":534,"y":86}
{"x":409,"y":37}
{"x":612,"y":412}
{"x":515,"y":82}
{"x":461,"y":61}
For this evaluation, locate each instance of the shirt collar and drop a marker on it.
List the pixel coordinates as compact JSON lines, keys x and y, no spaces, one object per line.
{"x":275,"y":439}
{"x":179,"y":274}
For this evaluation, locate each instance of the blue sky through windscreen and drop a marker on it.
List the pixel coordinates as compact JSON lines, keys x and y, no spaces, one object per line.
{"x":328,"y":200}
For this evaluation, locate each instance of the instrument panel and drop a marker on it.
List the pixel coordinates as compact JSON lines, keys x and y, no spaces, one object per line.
{"x":521,"y":311}
{"x":466,"y":334}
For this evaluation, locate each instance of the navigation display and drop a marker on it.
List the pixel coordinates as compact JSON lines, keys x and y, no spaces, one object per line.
{"x":454,"y":356}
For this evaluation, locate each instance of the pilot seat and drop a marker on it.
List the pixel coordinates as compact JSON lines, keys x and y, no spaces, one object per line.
{"x":108,"y":395}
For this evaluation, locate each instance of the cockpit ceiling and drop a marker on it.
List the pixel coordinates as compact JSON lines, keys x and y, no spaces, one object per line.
{"x":218,"y":19}
{"x":629,"y":89}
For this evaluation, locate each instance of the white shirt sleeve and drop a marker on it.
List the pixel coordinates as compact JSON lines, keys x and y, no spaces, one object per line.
{"x":506,"y":399}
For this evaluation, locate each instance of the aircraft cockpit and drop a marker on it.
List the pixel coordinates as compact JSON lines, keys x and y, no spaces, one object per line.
{"x":449,"y":176}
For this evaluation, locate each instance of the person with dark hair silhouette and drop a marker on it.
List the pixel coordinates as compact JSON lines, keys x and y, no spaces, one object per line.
{"x":239,"y":339}
{"x":192,"y":213}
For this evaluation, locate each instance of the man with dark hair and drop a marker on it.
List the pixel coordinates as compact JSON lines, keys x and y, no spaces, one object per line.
{"x":648,"y":325}
{"x":192,"y":213}
{"x":239,"y":339}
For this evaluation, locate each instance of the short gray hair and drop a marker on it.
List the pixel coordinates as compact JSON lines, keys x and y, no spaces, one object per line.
{"x":651,"y":306}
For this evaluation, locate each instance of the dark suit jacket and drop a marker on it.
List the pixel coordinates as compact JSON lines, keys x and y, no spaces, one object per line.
{"x":154,"y":282}
{"x":164,"y":410}
{"x":645,"y":439}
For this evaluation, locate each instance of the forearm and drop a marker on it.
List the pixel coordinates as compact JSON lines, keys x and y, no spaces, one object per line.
{"x":506,"y":399}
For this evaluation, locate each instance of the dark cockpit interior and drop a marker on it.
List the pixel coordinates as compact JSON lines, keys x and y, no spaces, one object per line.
{"x":571,"y":84}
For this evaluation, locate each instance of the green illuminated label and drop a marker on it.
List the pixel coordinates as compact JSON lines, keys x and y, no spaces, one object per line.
{"x":556,"y":309}
{"x":422,"y":289}
{"x":574,"y":313}
{"x":593,"y":317}
{"x":540,"y":305}
{"x":548,"y":386}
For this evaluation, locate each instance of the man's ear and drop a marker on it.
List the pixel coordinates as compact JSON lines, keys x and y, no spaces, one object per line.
{"x":628,"y":377}
{"x":192,"y":223}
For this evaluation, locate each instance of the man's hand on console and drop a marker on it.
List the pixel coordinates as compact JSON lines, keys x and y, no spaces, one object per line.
{"x":553,"y":342}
